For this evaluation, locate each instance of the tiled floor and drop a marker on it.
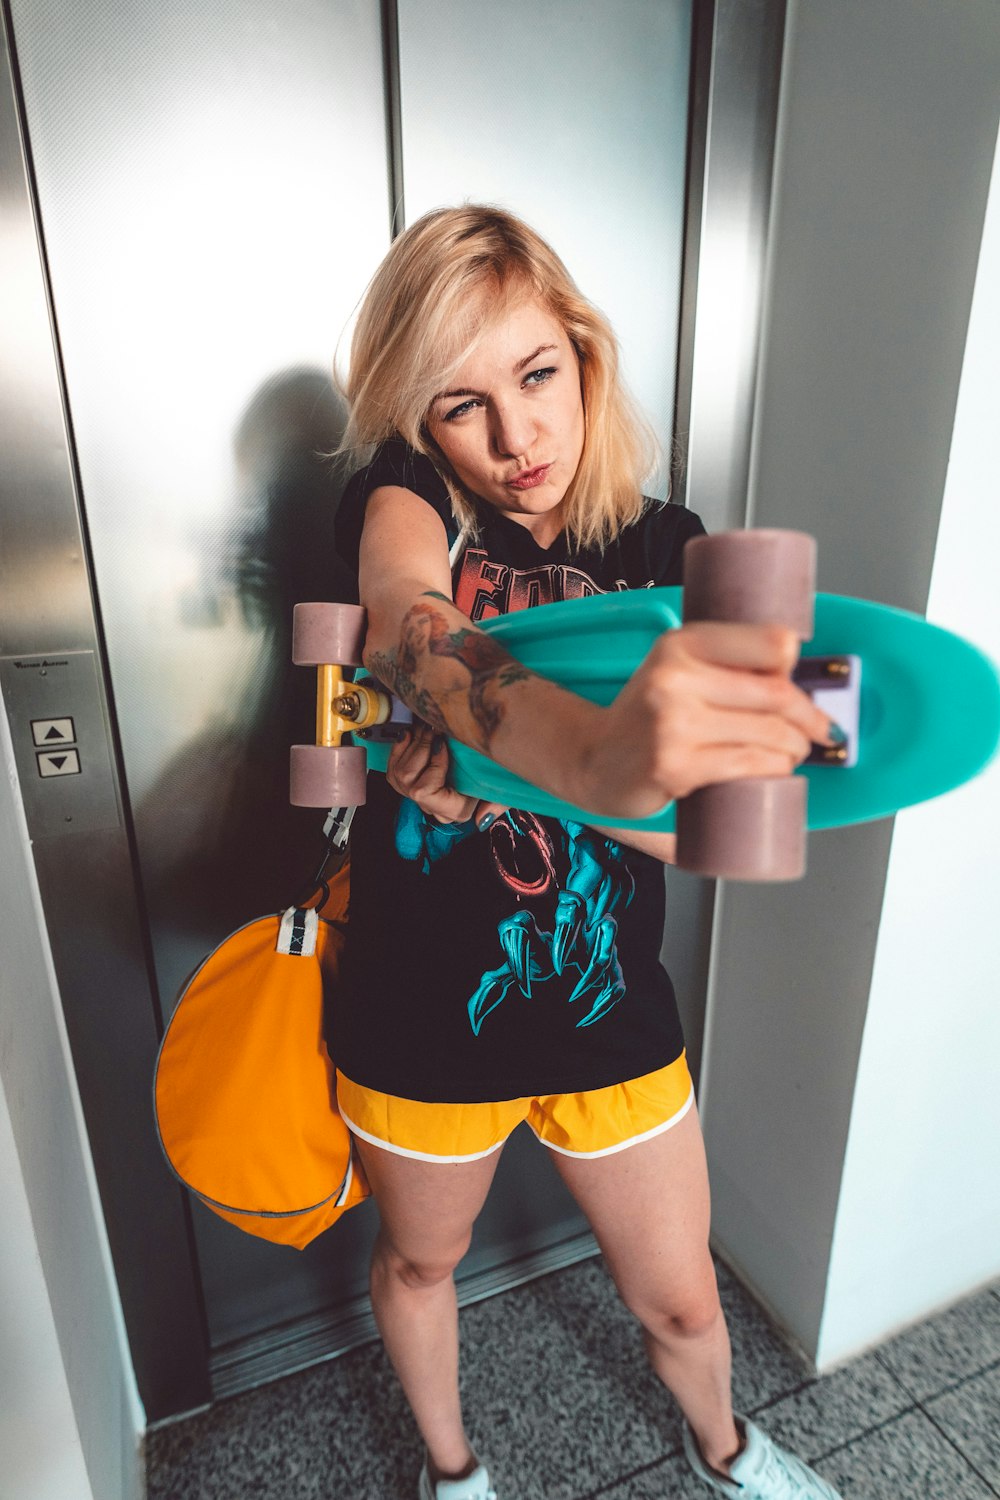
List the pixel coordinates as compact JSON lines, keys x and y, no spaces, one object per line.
{"x":562,"y":1405}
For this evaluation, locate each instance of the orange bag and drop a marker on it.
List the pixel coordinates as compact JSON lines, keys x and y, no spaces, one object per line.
{"x":245,"y":1092}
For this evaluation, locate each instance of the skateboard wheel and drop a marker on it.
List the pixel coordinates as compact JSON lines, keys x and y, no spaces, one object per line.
{"x":754,"y":829}
{"x":761,"y":577}
{"x":328,"y":775}
{"x":328,"y":633}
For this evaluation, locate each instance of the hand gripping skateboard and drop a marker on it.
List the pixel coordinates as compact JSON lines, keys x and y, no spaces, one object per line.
{"x":920,"y":706}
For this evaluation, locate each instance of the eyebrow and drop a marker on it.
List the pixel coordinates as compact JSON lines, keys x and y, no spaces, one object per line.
{"x":521,"y":365}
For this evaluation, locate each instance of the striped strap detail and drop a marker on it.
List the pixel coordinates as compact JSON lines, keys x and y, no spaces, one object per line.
{"x":337,"y":827}
{"x":297,"y":933}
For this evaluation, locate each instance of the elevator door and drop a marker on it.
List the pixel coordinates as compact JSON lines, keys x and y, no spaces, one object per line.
{"x":214,"y":190}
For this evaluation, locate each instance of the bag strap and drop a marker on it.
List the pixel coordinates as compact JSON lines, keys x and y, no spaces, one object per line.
{"x":337,"y":829}
{"x":336,"y":832}
{"x":297,"y":932}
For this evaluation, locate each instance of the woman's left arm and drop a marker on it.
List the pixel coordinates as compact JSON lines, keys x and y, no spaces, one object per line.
{"x":662,"y":846}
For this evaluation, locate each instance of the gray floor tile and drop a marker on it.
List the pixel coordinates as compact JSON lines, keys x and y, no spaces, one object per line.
{"x":970,"y":1415}
{"x":270,"y":1443}
{"x":908,"y":1459}
{"x":562,"y":1403}
{"x":669,"y":1480}
{"x":834,"y":1409}
{"x":947,"y":1349}
{"x":560,"y":1397}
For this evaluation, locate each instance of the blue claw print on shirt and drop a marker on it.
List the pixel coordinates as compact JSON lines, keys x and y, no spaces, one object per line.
{"x":582,"y":939}
{"x":584,"y":932}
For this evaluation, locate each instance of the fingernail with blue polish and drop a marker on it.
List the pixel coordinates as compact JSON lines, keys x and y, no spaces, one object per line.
{"x":489,"y":819}
{"x":836,"y":734}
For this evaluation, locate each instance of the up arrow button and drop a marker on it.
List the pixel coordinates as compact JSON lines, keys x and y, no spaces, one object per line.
{"x":53,"y":731}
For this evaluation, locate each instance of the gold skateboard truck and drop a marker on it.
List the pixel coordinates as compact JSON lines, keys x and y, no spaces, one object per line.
{"x":330,"y":637}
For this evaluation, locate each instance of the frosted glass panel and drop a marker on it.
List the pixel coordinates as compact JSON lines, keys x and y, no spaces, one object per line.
{"x":572,"y":114}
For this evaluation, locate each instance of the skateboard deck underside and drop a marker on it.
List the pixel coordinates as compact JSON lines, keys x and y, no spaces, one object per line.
{"x":929,"y":714}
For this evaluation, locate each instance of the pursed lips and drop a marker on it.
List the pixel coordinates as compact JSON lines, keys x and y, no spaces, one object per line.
{"x":528,"y":478}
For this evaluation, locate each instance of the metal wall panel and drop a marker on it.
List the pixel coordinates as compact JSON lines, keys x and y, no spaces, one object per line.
{"x":573,"y":115}
{"x":213,"y":194}
{"x":82,"y":856}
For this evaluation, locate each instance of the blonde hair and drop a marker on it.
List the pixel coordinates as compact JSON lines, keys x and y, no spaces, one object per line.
{"x":447,"y":280}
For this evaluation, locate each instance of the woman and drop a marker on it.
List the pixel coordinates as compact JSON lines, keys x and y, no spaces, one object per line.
{"x":503,"y":967}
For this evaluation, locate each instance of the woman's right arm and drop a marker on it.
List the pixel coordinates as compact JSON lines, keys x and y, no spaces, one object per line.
{"x":710,"y":702}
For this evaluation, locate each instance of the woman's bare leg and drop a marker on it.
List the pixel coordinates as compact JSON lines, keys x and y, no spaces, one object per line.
{"x":649,"y":1209}
{"x":427,"y":1213}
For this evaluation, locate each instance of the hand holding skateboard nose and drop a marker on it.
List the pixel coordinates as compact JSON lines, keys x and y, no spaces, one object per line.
{"x":710,"y":703}
{"x":718,"y":723}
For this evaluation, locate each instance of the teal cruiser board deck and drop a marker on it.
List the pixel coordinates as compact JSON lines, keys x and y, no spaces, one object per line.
{"x":929,"y":714}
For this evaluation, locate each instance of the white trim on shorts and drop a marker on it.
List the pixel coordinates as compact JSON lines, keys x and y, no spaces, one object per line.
{"x":377,"y":1140}
{"x":633,"y":1140}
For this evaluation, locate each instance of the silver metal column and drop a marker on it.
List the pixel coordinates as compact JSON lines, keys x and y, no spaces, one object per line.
{"x":52,"y":684}
{"x":211,"y":189}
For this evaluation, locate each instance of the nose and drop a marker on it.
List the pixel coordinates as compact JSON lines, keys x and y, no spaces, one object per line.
{"x":513,"y":429}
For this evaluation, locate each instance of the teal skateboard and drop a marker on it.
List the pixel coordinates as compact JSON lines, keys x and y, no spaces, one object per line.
{"x":920,"y":705}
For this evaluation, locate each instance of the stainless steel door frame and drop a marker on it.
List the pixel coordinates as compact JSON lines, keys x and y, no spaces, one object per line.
{"x":736,"y":78}
{"x":50,"y":639}
{"x":736,"y":54}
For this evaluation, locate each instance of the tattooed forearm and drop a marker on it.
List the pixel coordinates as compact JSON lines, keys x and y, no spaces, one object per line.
{"x":470,"y":707}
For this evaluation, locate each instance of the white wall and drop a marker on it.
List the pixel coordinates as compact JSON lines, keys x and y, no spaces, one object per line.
{"x":42,"y":1457}
{"x":887,"y":131}
{"x":918,"y":1221}
{"x":70,"y":1416}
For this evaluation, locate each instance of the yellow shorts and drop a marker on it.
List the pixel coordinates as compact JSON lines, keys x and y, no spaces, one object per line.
{"x":594,"y":1123}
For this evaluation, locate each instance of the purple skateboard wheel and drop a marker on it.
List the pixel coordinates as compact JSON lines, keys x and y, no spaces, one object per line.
{"x":328,"y":776}
{"x":323,"y":634}
{"x":761,"y":577}
{"x":755,"y":828}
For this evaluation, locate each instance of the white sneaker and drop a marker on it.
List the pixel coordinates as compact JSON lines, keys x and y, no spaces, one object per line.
{"x":763,"y":1471}
{"x":475,"y":1487}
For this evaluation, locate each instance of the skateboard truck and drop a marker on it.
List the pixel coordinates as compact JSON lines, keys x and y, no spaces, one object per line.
{"x":330,"y":638}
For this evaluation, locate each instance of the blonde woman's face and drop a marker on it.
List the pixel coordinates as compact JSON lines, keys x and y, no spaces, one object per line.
{"x":511,"y":422}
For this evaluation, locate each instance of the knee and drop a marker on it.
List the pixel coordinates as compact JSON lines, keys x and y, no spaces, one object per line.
{"x":677,"y":1317}
{"x":416,"y":1272}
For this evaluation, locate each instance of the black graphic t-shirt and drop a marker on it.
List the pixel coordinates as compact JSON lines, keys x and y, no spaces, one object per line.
{"x":523,"y":960}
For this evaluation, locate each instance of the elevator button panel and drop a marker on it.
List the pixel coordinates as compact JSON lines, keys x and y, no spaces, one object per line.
{"x":61,"y":742}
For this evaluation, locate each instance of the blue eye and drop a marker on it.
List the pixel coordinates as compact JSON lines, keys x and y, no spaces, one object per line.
{"x":459,"y":411}
{"x":539,"y":377}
